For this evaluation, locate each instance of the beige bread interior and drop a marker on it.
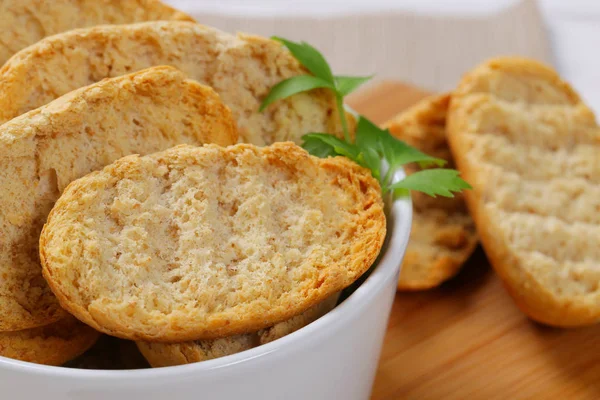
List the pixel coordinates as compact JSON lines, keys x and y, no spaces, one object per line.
{"x":42,"y":151}
{"x":24,"y":22}
{"x":530,"y":148}
{"x":443,"y":234}
{"x":208,"y":242}
{"x":240,"y":68}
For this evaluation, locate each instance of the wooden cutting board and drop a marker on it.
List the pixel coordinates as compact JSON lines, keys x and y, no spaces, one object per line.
{"x":466,"y":339}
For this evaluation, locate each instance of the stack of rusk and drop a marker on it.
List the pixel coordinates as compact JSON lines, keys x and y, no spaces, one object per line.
{"x":88,"y":82}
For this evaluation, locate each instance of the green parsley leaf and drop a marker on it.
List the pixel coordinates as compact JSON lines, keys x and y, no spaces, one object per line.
{"x":341,"y":147}
{"x":374,"y":144}
{"x":370,"y":159}
{"x":310,"y":57}
{"x":324,"y":145}
{"x":433,"y":182}
{"x":396,"y":152}
{"x":318,"y":148}
{"x":292,"y":86}
{"x":373,"y":147}
{"x":347,"y":84}
{"x":368,"y":135}
{"x":368,"y":141}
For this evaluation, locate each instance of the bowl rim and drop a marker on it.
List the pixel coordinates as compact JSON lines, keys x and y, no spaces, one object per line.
{"x":399,"y":221}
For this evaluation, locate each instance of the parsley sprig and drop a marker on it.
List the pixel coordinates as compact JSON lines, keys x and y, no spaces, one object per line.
{"x":322,"y":77}
{"x":373,"y":148}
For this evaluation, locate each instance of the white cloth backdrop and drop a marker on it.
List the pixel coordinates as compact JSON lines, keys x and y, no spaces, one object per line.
{"x":429,"y":43}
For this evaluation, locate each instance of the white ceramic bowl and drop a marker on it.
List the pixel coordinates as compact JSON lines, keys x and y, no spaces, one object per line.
{"x":335,"y":357}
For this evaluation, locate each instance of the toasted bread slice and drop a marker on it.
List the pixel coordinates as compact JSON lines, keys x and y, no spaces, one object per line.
{"x":24,"y":22}
{"x":443,"y":234}
{"x":530,"y":148}
{"x":242,"y":69}
{"x":208,"y":242}
{"x":53,"y":344}
{"x":44,"y":150}
{"x":169,"y":354}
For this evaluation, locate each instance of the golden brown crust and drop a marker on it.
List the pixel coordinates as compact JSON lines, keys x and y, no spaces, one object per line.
{"x":528,"y":145}
{"x":246,"y":237}
{"x":241,"y":69}
{"x":24,"y":22}
{"x":44,"y":150}
{"x":168,"y":354}
{"x":443,"y":234}
{"x":54,"y":344}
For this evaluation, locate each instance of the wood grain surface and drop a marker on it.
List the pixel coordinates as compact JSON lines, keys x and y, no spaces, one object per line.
{"x":467,"y":339}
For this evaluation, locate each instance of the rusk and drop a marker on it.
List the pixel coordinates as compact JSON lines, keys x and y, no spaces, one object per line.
{"x":42,"y":151}
{"x":443,"y":234}
{"x":53,"y":344}
{"x":530,"y":148}
{"x":168,"y":354}
{"x":241,"y":69}
{"x":25,"y":22}
{"x":208,"y":242}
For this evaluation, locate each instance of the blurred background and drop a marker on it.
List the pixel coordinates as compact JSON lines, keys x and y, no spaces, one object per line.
{"x":429,"y":43}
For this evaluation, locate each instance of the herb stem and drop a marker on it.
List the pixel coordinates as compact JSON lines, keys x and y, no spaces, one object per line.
{"x":340,"y":106}
{"x":386,"y":180}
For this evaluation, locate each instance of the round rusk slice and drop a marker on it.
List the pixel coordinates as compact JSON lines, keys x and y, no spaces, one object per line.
{"x":53,"y":344}
{"x":531,"y":150}
{"x":208,"y":242}
{"x":443,"y":234}
{"x":42,"y":151}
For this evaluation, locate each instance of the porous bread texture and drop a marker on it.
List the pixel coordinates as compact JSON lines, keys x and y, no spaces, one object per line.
{"x":529,"y":147}
{"x":443,"y":234}
{"x":169,"y":354}
{"x":44,"y":150}
{"x":208,"y":242}
{"x":24,"y":22}
{"x":53,"y":344}
{"x":242,"y":69}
